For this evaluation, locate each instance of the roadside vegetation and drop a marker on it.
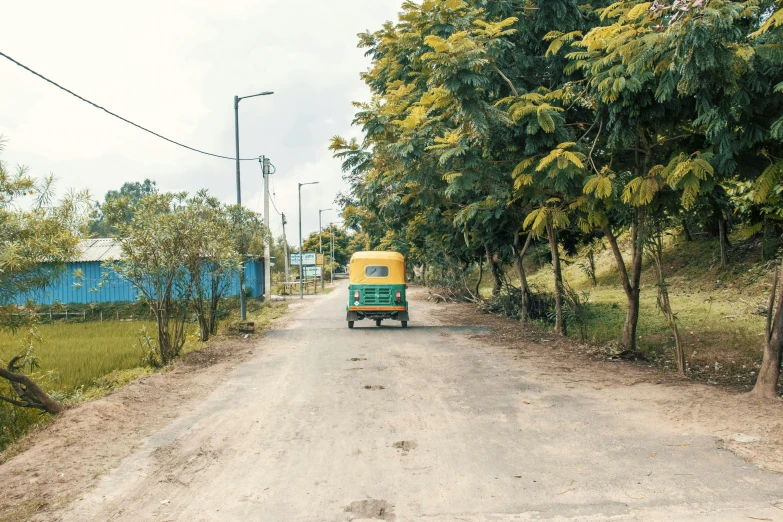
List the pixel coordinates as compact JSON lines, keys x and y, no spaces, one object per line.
{"x":73,"y":361}
{"x":180,"y":252}
{"x":76,"y":360}
{"x":720,"y":312}
{"x":587,"y":137}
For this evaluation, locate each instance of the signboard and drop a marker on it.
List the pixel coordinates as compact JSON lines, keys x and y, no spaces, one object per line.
{"x":309,"y":259}
{"x":319,"y":259}
{"x":313,"y":271}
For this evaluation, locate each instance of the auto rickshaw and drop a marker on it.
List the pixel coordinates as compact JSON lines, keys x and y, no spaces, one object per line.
{"x":377,"y":289}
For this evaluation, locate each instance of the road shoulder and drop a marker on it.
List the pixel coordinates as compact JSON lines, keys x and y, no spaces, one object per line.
{"x":68,"y":456}
{"x":751,"y":428}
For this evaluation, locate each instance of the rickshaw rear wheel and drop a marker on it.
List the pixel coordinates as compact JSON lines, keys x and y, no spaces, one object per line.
{"x":377,"y":322}
{"x":405,"y":324}
{"x":350,"y":324}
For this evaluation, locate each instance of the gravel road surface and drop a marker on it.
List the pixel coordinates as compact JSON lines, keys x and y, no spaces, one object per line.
{"x":419,"y":424}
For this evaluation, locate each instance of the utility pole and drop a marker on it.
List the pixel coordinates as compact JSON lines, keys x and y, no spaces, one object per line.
{"x":285,"y":249}
{"x":266,"y":171}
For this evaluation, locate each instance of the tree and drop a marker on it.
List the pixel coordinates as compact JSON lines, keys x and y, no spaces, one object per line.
{"x":37,"y":240}
{"x":767,"y":192}
{"x":180,"y":254}
{"x":342,"y":249}
{"x":210,"y":261}
{"x":566,"y":119}
{"x":155,"y":245}
{"x":134,"y":191}
{"x":247,"y":234}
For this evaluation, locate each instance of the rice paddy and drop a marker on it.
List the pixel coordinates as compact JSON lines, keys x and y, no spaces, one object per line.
{"x":74,"y":355}
{"x":73,"y":360}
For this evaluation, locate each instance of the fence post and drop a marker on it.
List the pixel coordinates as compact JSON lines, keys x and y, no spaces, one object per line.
{"x":50,"y":315}
{"x":66,"y":314}
{"x":118,"y":316}
{"x":101,"y":315}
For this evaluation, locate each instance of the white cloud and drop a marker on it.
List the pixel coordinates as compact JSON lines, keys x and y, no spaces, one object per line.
{"x":175,"y":66}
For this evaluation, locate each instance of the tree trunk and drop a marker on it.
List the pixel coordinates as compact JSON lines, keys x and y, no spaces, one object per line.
{"x":665,"y":305}
{"x":214,"y":304}
{"x":687,"y":231}
{"x":560,"y":325}
{"x":203,"y":326}
{"x":480,"y":277}
{"x":591,"y":260}
{"x":724,"y":258}
{"x":497,"y":281}
{"x":29,"y":394}
{"x":630,"y":284}
{"x":520,"y":257}
{"x":767,"y":382}
{"x":424,"y":275}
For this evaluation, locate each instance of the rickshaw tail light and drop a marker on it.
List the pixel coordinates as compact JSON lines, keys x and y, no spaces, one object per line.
{"x":399,"y":295}
{"x":356,"y":295}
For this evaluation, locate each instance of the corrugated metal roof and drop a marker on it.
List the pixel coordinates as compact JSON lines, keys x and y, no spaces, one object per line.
{"x":99,"y":250}
{"x":103,"y":249}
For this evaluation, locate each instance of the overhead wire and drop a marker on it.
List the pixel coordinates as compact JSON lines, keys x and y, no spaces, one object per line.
{"x":272,"y":199}
{"x":85,"y":100}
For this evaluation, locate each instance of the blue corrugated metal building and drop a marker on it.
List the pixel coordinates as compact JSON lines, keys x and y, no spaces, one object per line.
{"x":87,"y":279}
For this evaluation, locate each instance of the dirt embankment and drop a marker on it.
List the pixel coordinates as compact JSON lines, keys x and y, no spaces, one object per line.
{"x":67,"y":457}
{"x":747,"y":426}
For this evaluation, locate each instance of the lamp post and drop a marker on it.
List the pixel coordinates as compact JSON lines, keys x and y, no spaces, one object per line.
{"x":320,"y":242}
{"x":301,"y":254}
{"x":237,"y":99}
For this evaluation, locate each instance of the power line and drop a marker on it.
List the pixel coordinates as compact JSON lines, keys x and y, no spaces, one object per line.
{"x":118,"y":116}
{"x":272,"y":199}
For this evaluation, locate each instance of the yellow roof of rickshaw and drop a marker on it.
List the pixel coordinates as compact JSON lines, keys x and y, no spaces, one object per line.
{"x":393,"y":260}
{"x":378,"y":255}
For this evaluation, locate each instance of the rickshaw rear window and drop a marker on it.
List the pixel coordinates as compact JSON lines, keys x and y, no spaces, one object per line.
{"x":376,"y":271}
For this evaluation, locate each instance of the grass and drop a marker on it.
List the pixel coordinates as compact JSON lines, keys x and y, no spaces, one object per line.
{"x":717,"y":308}
{"x":81,"y":360}
{"x":76,"y":361}
{"x":73,"y":355}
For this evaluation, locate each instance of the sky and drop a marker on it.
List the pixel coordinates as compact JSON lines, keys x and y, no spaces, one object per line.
{"x":175,"y":67}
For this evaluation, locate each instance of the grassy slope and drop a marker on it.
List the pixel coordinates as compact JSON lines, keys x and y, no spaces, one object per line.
{"x":717,"y":309}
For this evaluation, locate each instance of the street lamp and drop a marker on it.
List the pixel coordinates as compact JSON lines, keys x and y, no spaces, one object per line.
{"x":301,"y":254}
{"x":320,"y":242}
{"x":237,"y":99}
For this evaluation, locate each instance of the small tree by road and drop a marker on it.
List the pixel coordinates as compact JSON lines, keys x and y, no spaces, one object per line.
{"x":154,"y":245}
{"x":181,"y":254}
{"x":38,"y":234}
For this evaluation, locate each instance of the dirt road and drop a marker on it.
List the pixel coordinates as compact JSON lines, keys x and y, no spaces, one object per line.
{"x":424,"y":424}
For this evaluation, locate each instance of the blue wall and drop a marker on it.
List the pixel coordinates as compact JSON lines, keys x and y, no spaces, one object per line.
{"x":87,"y":289}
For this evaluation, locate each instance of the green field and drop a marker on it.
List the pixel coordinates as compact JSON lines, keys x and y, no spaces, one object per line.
{"x":80,"y":360}
{"x":73,"y":355}
{"x":76,"y":360}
